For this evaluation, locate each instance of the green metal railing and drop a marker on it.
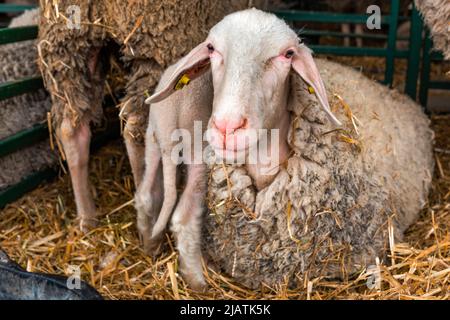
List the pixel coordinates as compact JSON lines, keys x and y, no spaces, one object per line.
{"x":425,"y":83}
{"x":28,"y":136}
{"x":417,"y":67}
{"x":14,"y":8}
{"x":10,"y":35}
{"x":390,"y":52}
{"x":112,"y":131}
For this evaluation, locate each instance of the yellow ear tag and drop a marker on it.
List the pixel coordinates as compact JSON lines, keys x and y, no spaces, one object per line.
{"x":311,"y":90}
{"x":184,"y":81}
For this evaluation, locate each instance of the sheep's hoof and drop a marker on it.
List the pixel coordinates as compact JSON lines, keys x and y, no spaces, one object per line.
{"x":193,"y":275}
{"x":153,"y":246}
{"x":195,"y":283}
{"x":87,"y":224}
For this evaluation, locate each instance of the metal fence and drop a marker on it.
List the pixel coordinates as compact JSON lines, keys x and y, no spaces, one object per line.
{"x":419,"y":51}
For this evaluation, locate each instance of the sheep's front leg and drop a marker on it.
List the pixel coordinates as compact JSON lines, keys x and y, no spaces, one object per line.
{"x":149,"y":197}
{"x":170,"y":196}
{"x":186,"y":225}
{"x":76,"y":141}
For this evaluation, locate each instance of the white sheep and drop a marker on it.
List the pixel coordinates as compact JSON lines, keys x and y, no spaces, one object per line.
{"x":250,"y":86}
{"x":259,"y":71}
{"x":231,"y":118}
{"x":157,"y":194}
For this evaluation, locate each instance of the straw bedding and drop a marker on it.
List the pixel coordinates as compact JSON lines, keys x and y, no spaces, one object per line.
{"x":39,"y":232}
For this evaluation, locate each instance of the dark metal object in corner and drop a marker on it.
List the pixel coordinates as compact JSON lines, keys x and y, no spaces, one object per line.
{"x":18,"y":284}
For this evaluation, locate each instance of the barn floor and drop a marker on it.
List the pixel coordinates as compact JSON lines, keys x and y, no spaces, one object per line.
{"x":39,"y":232}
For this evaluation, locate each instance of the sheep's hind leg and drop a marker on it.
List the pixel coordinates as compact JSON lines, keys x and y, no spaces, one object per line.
{"x":135,"y":113}
{"x":76,"y":141}
{"x":135,"y":151}
{"x":187,"y":225}
{"x":149,"y":197}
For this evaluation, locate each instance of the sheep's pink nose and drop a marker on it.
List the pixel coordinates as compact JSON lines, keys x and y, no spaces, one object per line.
{"x":229,"y":125}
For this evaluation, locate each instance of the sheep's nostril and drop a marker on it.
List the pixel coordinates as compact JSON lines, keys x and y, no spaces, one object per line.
{"x":228,"y":126}
{"x":244,"y":123}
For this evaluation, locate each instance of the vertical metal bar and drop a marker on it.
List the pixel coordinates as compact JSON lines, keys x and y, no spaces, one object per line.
{"x":392,"y":42}
{"x":425,"y":75}
{"x":415,"y":43}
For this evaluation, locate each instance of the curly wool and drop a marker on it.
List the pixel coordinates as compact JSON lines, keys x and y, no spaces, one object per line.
{"x":436,"y":14}
{"x":329,"y":211}
{"x":22,"y":112}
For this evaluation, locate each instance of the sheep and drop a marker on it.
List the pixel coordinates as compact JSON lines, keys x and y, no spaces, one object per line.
{"x":156,"y":197}
{"x":436,"y":14}
{"x":21,"y":112}
{"x":75,"y":39}
{"x":231,"y":124}
{"x":341,"y":189}
{"x":180,"y":111}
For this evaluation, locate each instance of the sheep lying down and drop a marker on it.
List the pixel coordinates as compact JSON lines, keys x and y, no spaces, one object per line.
{"x":349,"y":161}
{"x":331,"y":207}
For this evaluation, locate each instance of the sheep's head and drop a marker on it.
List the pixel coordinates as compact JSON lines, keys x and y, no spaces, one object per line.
{"x":250,"y":54}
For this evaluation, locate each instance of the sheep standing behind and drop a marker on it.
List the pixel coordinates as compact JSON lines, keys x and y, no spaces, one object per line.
{"x":149,"y":35}
{"x":21,"y":112}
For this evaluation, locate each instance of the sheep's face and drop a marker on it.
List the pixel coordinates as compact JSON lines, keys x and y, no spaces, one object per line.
{"x":250,"y":54}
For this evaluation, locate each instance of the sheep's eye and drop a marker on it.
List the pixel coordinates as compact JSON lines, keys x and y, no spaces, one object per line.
{"x":289,"y":54}
{"x":210,"y":48}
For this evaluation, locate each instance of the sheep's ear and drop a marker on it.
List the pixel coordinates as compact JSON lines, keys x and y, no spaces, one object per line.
{"x":190,"y":67}
{"x":303,"y":63}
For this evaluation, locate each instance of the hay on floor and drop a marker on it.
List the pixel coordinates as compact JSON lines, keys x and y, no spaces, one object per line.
{"x":39,"y":232}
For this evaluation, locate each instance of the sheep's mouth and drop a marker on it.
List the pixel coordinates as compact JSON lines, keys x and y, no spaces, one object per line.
{"x":240,"y":140}
{"x":231,"y":156}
